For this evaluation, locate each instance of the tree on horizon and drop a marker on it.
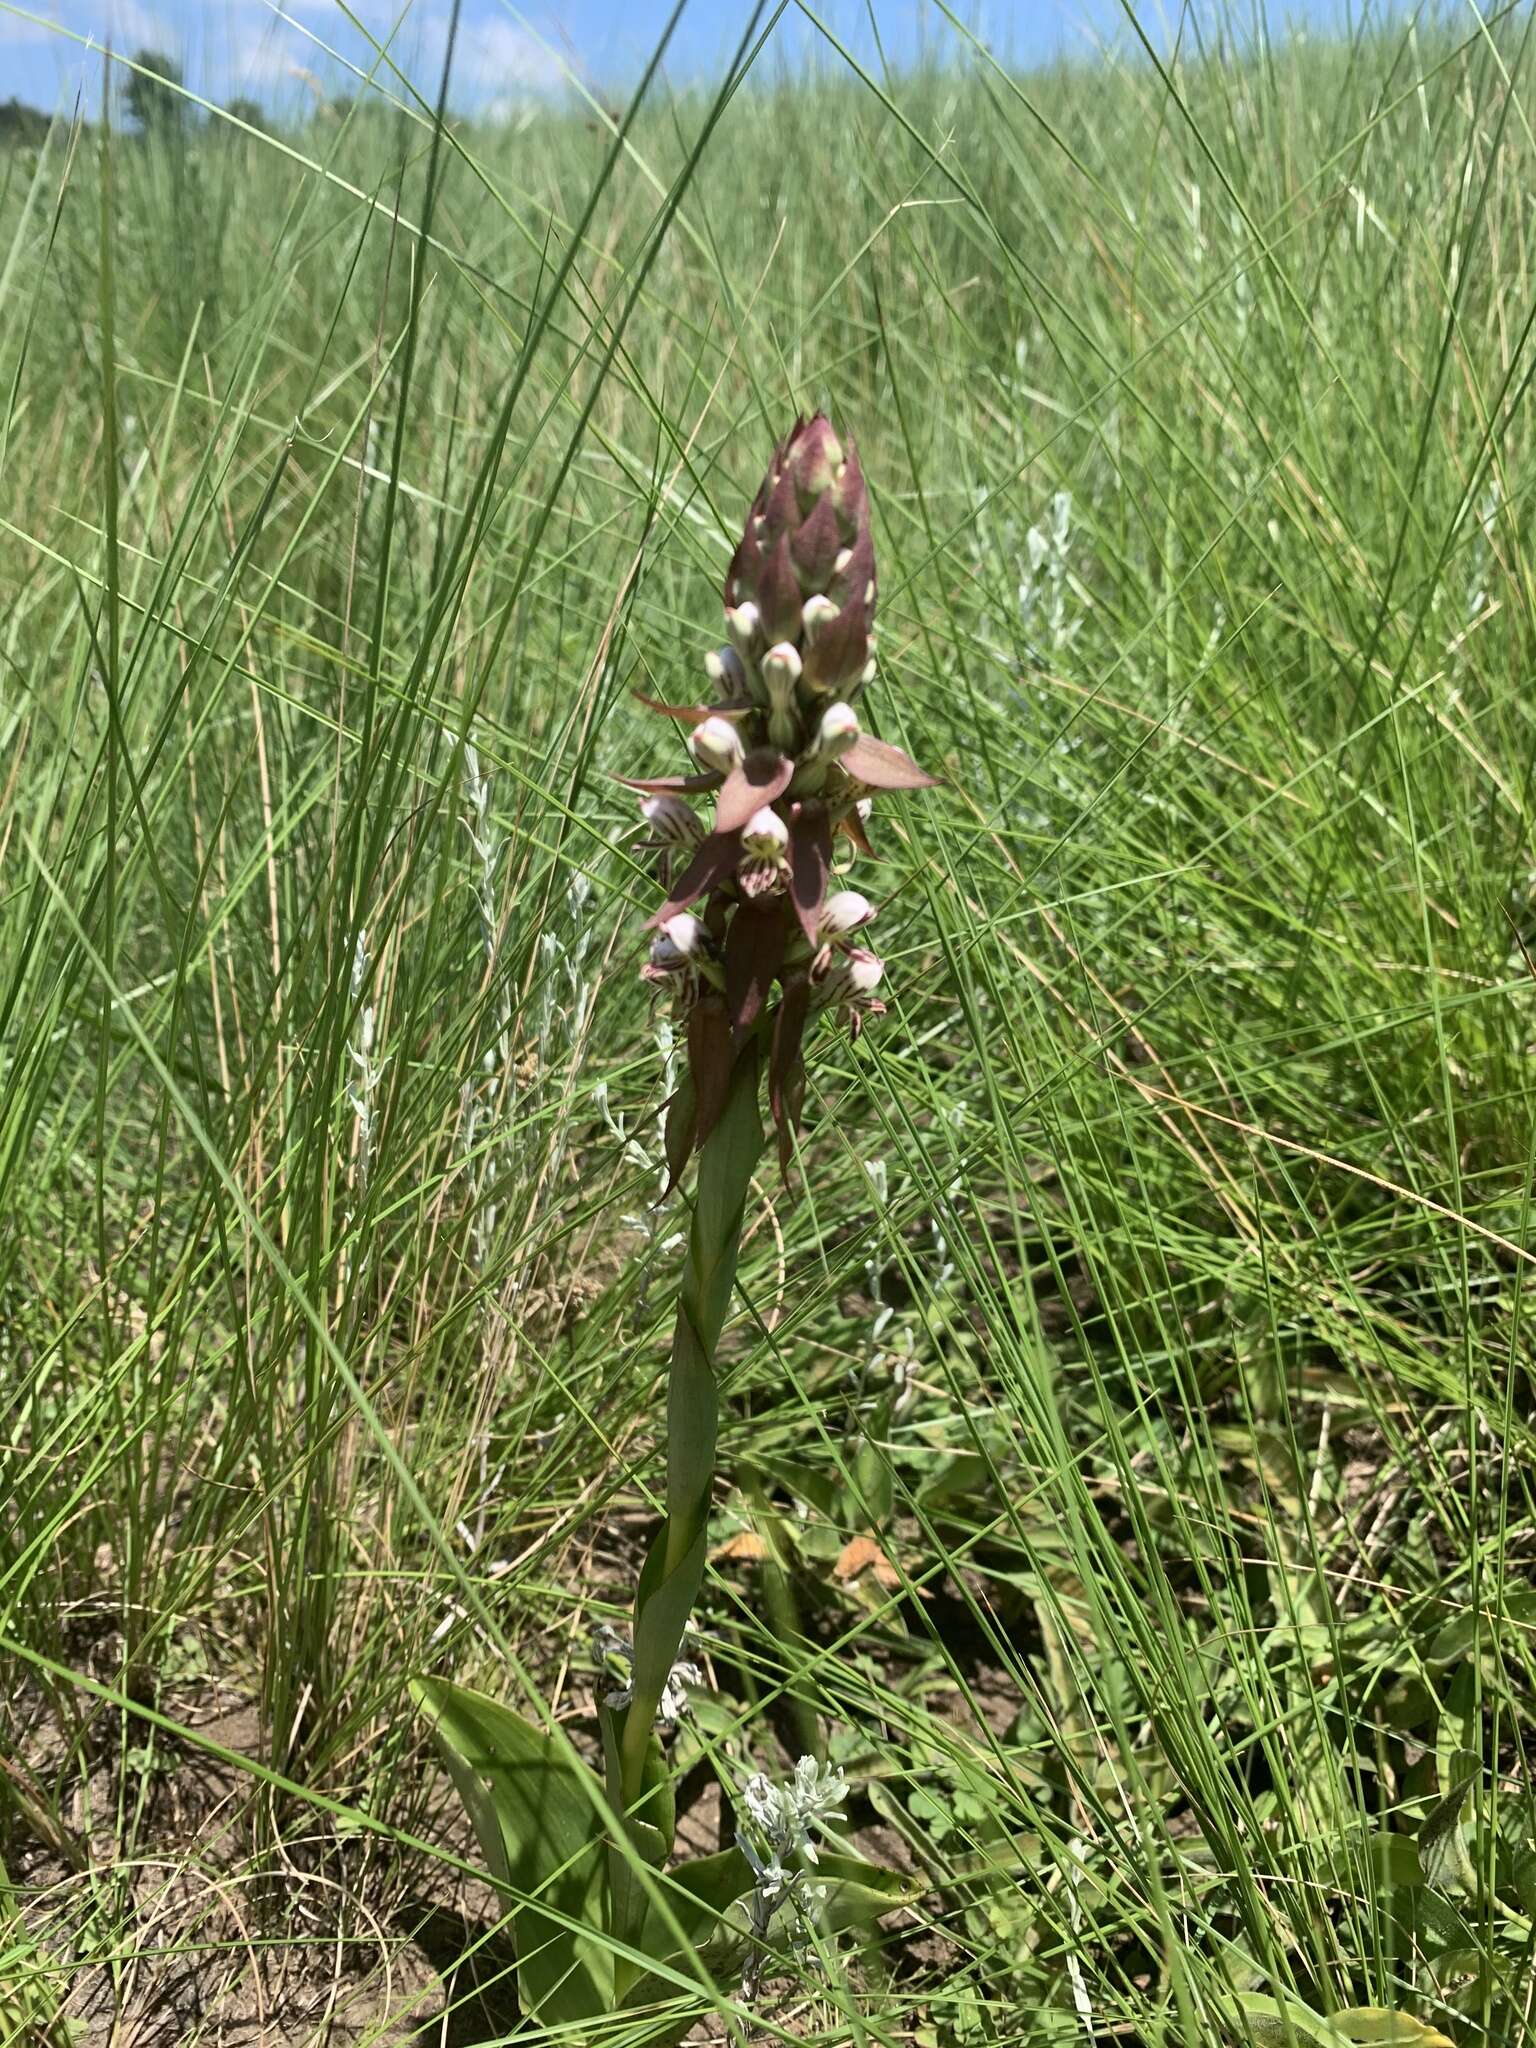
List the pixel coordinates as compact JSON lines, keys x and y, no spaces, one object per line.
{"x":153,"y":92}
{"x":21,"y":123}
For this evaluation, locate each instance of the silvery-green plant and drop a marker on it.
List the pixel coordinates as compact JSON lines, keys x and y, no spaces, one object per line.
{"x":366,"y":1069}
{"x":752,"y":944}
{"x":780,"y":1840}
{"x":1045,"y":586}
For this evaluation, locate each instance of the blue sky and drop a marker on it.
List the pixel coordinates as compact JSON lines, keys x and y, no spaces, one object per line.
{"x":262,"y":47}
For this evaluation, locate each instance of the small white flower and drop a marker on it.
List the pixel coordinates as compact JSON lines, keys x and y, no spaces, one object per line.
{"x":672,"y":821}
{"x":612,"y":1645}
{"x":777,"y":1846}
{"x":852,"y":977}
{"x":687,"y":933}
{"x":762,"y":1799}
{"x":843,"y":912}
{"x":674,"y":1694}
{"x":865,"y":973}
{"x":765,"y":836}
{"x":727,"y":671}
{"x":716,"y":745}
{"x":681,"y":941}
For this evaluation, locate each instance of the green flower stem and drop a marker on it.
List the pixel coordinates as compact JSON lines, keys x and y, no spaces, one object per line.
{"x":674,"y":1567}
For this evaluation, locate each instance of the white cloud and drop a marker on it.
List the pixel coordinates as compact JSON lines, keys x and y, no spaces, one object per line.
{"x":494,"y":59}
{"x":499,"y":66}
{"x":132,"y":26}
{"x":505,"y":55}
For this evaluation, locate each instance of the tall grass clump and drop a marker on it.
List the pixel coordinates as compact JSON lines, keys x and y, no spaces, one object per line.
{"x":1121,"y":1531}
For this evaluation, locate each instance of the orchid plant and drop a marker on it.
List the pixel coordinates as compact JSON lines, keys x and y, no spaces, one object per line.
{"x":753,"y":943}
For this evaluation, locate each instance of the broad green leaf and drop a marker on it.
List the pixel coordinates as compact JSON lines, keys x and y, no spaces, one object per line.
{"x":1394,"y":1860}
{"x":1441,"y":1929}
{"x":1457,"y":1729}
{"x":539,"y":1833}
{"x":959,"y":1477}
{"x":803,"y":1481}
{"x":1270,"y":2023}
{"x":1377,"y":2026}
{"x":1475,"y":1626}
{"x":873,"y":1490}
{"x":699,"y":1894}
{"x":858,"y":1893}
{"x":1443,"y":1847}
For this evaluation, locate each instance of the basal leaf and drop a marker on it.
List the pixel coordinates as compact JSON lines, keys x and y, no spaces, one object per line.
{"x":540,"y":1835}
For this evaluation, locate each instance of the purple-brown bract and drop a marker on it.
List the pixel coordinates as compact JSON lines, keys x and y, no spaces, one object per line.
{"x":782,"y":750}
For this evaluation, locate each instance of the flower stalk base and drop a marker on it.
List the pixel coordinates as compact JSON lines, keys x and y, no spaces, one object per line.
{"x":674,"y":1567}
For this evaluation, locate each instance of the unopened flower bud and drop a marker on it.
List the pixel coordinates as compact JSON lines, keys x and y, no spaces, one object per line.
{"x":838,"y":731}
{"x":716,"y":745}
{"x":741,"y":622}
{"x":781,"y":671}
{"x":844,"y":912}
{"x":765,"y":836}
{"x":672,"y":822}
{"x":819,"y":612}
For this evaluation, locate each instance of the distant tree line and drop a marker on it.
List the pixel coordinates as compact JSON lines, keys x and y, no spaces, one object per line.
{"x":152,"y":98}
{"x":20,"y":123}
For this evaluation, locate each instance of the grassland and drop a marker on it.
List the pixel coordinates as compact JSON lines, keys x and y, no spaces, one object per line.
{"x":1152,"y":1311}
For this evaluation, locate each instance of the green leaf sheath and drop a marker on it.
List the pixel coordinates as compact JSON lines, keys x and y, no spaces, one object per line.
{"x":674,"y":1566}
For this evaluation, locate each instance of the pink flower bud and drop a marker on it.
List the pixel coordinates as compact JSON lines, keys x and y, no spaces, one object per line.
{"x":852,"y":978}
{"x":865,"y":973}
